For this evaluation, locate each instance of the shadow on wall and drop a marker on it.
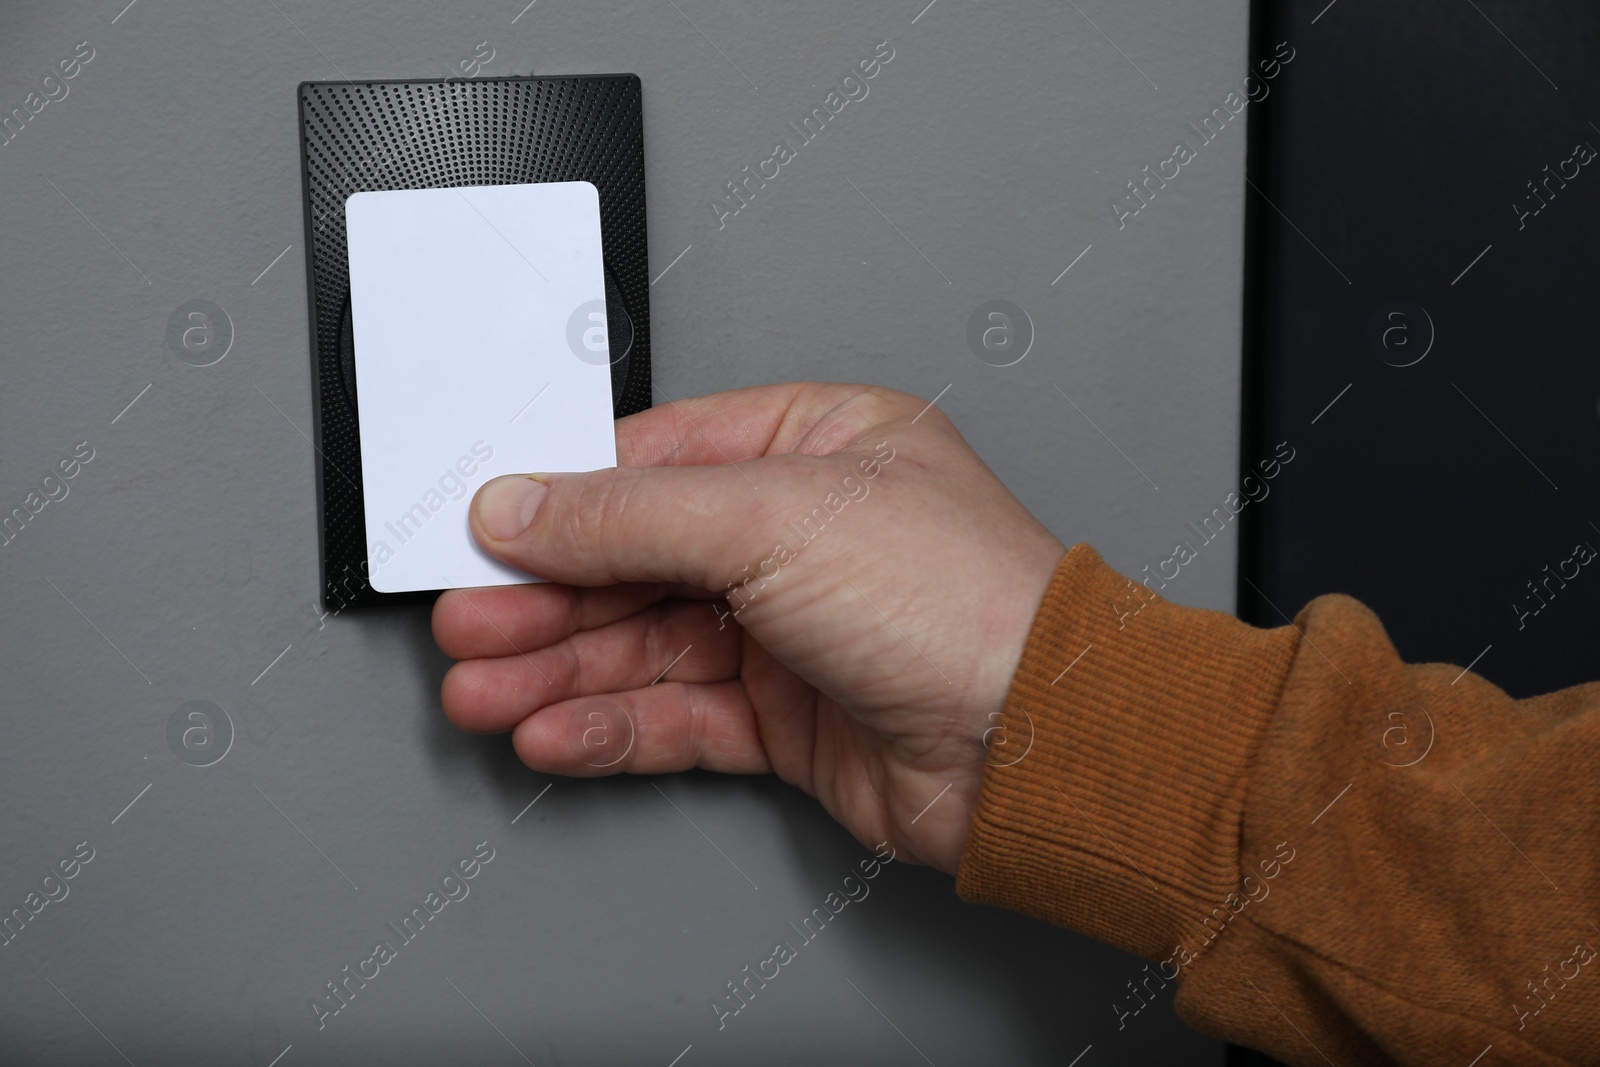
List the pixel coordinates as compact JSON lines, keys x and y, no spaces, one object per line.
{"x":1061,"y":990}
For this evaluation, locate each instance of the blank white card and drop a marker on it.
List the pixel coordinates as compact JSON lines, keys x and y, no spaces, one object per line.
{"x":480,"y":343}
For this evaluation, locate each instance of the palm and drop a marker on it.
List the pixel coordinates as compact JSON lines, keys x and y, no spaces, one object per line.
{"x":870,"y":778}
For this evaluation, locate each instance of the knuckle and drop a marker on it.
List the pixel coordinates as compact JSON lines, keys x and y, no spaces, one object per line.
{"x":892,"y":404}
{"x":847,"y":421}
{"x":872,"y":407}
{"x":595,"y":515}
{"x":922,"y":409}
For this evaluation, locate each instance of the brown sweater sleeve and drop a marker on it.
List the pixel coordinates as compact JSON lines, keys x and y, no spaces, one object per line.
{"x":1335,"y":857}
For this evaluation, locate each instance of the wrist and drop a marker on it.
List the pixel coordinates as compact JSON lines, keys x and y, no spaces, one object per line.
{"x":1001,"y":729}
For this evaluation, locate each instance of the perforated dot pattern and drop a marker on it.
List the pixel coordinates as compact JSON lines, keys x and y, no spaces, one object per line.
{"x":429,"y":135}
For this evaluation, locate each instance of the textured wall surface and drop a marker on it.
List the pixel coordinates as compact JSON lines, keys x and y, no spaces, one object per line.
{"x":181,"y":565}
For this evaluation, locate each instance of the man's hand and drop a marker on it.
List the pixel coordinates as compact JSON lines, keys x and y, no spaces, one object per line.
{"x":821,"y":581}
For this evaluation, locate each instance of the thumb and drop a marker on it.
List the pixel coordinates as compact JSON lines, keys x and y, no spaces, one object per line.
{"x":694,"y":525}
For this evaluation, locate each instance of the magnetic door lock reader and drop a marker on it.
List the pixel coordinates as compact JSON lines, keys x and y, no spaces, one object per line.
{"x":377,"y":135}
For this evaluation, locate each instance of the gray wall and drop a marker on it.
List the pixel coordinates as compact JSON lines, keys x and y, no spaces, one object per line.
{"x":183,"y":562}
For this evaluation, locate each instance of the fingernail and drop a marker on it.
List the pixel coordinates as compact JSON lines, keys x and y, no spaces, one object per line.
{"x":507,"y":505}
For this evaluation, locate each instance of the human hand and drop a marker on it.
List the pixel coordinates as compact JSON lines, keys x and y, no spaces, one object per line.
{"x":821,"y":581}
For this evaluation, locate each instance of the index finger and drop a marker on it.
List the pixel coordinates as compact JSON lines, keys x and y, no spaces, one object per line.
{"x":728,"y":427}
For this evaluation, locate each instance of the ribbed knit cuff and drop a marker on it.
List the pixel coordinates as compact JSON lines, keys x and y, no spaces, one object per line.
{"x":1115,"y":803}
